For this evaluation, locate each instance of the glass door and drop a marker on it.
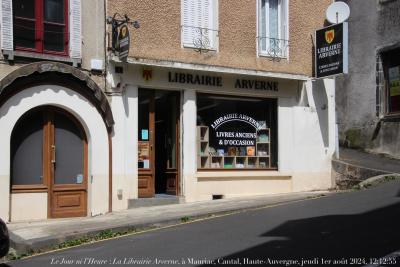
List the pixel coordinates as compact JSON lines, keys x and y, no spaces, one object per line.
{"x":146,"y":150}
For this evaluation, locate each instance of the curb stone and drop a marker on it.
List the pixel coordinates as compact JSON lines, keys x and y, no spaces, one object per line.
{"x":373,"y":181}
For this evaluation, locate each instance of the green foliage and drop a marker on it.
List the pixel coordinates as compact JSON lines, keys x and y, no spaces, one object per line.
{"x":185,"y":219}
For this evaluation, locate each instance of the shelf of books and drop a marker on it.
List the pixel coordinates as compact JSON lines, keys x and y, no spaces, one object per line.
{"x":249,"y":157}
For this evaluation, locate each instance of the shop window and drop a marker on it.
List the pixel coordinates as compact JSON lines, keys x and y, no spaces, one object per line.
{"x":236,"y":133}
{"x":41,"y":26}
{"x":199,"y":24}
{"x":273,"y":28}
{"x":391,"y":68}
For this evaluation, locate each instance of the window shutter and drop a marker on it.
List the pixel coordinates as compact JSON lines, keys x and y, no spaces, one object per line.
{"x":207,"y":20}
{"x":188,"y":22}
{"x":75,"y":43}
{"x":284,"y":14}
{"x":262,"y":26}
{"x":6,"y":25}
{"x":198,"y":15}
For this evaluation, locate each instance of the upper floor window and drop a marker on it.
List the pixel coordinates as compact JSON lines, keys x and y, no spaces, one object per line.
{"x":199,"y":24}
{"x":273,"y":28}
{"x":41,"y":26}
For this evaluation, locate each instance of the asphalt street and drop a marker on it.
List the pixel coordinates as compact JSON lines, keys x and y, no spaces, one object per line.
{"x":354,"y":228}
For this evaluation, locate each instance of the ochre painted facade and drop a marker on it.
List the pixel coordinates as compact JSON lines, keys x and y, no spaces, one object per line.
{"x":159,"y":35}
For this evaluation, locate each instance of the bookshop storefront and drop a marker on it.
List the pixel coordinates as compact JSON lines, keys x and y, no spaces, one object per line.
{"x":236,"y":132}
{"x":204,"y":135}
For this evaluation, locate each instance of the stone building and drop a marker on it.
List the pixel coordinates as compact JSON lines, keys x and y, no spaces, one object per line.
{"x":368,"y":98}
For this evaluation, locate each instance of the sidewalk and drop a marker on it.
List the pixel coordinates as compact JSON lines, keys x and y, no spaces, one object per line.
{"x":368,"y":160}
{"x":45,"y":235}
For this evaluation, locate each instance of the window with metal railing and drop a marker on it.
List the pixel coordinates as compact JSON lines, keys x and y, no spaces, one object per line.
{"x":272,"y":38}
{"x":199,"y":24}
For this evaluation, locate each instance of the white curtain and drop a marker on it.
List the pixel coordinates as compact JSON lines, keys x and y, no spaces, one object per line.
{"x":273,"y":19}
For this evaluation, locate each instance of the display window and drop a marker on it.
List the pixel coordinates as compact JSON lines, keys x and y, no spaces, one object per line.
{"x":236,"y":132}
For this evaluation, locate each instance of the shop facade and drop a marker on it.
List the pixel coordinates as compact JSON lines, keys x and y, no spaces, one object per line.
{"x":204,"y":135}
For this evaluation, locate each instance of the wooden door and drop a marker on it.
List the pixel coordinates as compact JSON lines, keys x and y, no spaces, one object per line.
{"x":146,"y":148}
{"x":172,"y":170}
{"x":66,"y":159}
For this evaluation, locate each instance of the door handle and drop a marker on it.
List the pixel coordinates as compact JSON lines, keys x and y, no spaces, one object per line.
{"x":53,"y":154}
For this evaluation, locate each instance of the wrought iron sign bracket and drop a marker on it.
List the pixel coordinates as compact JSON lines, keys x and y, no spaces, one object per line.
{"x":117,"y":21}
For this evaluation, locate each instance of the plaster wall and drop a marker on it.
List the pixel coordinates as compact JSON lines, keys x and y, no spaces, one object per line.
{"x":159,"y":36}
{"x":90,"y":119}
{"x":307,"y":136}
{"x":93,"y":31}
{"x":28,"y":206}
{"x":125,"y":153}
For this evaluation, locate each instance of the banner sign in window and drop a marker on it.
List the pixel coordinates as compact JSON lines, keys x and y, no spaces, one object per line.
{"x":331,"y":52}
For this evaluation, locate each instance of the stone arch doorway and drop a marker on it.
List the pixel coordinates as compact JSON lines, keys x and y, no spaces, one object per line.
{"x":49,"y":155}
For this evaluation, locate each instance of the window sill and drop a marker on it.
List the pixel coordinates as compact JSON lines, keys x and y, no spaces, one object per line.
{"x":31,"y":55}
{"x":265,"y":55}
{"x":222,"y":169}
{"x":249,"y":175}
{"x":212,"y":49}
{"x":391,"y":117}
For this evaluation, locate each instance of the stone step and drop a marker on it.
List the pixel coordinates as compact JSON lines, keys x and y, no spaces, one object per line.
{"x":157,"y":200}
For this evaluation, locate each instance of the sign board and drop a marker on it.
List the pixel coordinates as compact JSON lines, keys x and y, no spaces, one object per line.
{"x":217,"y":81}
{"x":123,"y":43}
{"x":331,"y":51}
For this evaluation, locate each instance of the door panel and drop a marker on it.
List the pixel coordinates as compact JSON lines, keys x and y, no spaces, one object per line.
{"x":172,"y":148}
{"x":69,"y":204}
{"x":146,"y":149}
{"x":68,"y":161}
{"x":145,"y":185}
{"x":68,"y":165}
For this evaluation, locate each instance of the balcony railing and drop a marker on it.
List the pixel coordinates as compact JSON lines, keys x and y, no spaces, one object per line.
{"x":203,"y":39}
{"x":273,"y":47}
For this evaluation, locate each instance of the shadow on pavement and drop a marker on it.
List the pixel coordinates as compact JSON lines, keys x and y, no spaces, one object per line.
{"x":367,"y":235}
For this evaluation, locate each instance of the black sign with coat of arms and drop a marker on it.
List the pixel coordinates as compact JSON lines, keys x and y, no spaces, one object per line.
{"x":331,"y":52}
{"x":123,"y":43}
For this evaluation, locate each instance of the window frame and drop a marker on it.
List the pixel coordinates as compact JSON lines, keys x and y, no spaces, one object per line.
{"x":283,"y":28}
{"x":39,"y":30}
{"x":273,"y":137}
{"x":47,"y":113}
{"x":388,"y":61}
{"x":213,"y":26}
